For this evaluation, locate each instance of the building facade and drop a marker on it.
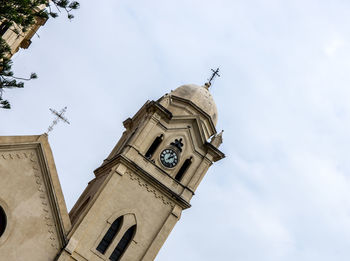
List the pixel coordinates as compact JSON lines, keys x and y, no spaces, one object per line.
{"x":137,"y":196}
{"x":16,"y":38}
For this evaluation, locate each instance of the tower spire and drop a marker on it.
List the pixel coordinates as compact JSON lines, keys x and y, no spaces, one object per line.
{"x":214,"y":74}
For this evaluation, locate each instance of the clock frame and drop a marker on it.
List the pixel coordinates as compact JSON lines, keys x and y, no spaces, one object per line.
{"x":169,"y":158}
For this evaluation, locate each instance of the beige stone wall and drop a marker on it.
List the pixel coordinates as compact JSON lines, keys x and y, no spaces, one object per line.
{"x":125,"y":193}
{"x":31,"y":230}
{"x":35,"y":229}
{"x":85,"y":198}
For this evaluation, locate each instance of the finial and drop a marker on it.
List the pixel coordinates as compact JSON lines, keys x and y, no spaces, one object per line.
{"x":216,"y":140}
{"x":59,"y":116}
{"x":215,"y":73}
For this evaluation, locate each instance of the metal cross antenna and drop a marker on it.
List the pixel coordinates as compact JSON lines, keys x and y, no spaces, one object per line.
{"x":215,"y":73}
{"x":59,"y":116}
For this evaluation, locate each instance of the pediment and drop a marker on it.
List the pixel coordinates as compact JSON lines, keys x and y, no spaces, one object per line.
{"x":186,"y":107}
{"x":30,"y":189}
{"x":190,"y":128}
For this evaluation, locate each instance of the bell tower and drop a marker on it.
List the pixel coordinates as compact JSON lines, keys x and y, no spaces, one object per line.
{"x":128,"y":210}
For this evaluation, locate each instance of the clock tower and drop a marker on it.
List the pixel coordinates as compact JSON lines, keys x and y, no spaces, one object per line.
{"x":139,"y":192}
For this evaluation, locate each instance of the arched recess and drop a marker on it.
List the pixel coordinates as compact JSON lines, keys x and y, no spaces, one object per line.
{"x":152,"y":149}
{"x":130,"y":217}
{"x":110,"y":235}
{"x":183,"y":169}
{"x":123,"y":244}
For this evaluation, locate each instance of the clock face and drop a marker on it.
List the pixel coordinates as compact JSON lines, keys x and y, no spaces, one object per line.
{"x":169,"y":158}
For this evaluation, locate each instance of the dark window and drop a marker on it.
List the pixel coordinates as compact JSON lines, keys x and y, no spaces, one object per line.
{"x":109,"y":236}
{"x":4,"y":27}
{"x":183,"y":169}
{"x":123,"y":244}
{"x":154,"y":146}
{"x":3,"y":221}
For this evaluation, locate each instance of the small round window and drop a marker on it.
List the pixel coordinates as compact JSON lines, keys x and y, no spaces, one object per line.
{"x":3,"y":221}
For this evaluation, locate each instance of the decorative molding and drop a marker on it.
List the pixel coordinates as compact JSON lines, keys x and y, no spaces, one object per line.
{"x":150,"y":189}
{"x":47,"y":215}
{"x":45,"y":202}
{"x":9,"y":156}
{"x":132,"y":166}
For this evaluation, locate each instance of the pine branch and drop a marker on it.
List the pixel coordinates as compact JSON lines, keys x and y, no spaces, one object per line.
{"x":19,"y":16}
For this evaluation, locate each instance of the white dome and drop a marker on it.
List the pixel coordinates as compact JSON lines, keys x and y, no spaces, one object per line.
{"x":200,"y":96}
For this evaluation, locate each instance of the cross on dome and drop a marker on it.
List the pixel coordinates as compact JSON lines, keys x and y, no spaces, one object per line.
{"x":214,"y":74}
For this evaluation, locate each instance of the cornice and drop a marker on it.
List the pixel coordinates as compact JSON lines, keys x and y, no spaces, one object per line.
{"x":145,"y":175}
{"x":148,"y":107}
{"x":218,"y":155}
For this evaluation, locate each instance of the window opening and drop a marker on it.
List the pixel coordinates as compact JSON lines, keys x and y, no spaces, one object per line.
{"x":123,"y":244}
{"x":3,"y":221}
{"x":4,"y":27}
{"x":154,"y":146}
{"x":110,"y":235}
{"x":183,"y":169}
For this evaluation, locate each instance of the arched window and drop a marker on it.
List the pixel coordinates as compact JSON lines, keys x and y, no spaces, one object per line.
{"x":154,"y":146}
{"x":109,"y":236}
{"x":123,"y":244}
{"x":3,"y":221}
{"x":183,"y":169}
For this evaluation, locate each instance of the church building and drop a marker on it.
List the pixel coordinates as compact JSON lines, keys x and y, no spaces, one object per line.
{"x":135,"y":199}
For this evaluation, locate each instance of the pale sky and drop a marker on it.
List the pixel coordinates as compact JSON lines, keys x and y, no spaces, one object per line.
{"x":283,"y":191}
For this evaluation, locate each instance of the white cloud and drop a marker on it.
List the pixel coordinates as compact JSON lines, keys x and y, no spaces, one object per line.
{"x":333,"y":46}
